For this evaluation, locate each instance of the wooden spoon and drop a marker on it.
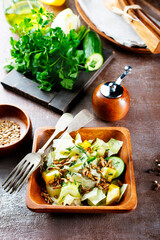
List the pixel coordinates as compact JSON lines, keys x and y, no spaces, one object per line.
{"x":149,"y":8}
{"x":144,"y":18}
{"x":144,"y":27}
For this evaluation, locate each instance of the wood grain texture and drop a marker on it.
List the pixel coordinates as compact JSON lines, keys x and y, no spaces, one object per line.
{"x":148,"y":31}
{"x":36,"y":202}
{"x":110,"y":109}
{"x":87,"y":20}
{"x":149,"y":7}
{"x":143,"y":122}
{"x":58,"y":99}
{"x":140,"y":13}
{"x":17,"y":115}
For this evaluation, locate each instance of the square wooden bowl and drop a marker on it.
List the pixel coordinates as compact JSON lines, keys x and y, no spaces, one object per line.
{"x":128,"y":203}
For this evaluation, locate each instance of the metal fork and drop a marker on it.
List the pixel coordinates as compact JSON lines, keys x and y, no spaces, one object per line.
{"x":32,"y":161}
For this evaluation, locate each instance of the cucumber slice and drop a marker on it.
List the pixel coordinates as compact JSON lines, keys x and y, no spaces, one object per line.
{"x":118,"y":164}
{"x":94,"y":62}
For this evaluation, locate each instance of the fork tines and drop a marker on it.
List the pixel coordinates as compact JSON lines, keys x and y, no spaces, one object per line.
{"x":18,"y":176}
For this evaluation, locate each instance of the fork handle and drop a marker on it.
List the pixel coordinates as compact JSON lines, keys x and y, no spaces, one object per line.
{"x":79,"y":121}
{"x":41,"y":150}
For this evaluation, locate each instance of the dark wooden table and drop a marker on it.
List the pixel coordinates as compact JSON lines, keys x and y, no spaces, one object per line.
{"x":143,"y":122}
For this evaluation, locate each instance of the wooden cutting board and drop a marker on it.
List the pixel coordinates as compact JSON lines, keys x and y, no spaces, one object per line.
{"x":61,"y":100}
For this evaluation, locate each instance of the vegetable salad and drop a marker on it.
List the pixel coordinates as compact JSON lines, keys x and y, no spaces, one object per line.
{"x":79,"y":172}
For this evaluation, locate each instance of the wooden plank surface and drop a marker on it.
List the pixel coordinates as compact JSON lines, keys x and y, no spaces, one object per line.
{"x":143,"y":121}
{"x":18,"y":83}
{"x":57,"y":100}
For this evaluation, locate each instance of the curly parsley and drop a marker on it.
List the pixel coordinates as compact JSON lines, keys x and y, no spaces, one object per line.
{"x":47,"y":55}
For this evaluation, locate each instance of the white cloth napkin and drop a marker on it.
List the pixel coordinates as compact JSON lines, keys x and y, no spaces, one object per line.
{"x":110,"y":23}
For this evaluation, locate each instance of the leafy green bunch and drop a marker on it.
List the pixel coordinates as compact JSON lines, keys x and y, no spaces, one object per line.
{"x":47,"y":55}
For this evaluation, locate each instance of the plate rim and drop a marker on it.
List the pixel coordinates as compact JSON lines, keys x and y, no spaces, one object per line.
{"x":90,"y":24}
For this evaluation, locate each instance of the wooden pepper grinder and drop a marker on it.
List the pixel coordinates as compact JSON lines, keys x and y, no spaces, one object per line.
{"x":111,"y":100}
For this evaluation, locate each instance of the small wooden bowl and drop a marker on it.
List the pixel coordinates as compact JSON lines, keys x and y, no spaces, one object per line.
{"x":16,"y":114}
{"x":36,"y":202}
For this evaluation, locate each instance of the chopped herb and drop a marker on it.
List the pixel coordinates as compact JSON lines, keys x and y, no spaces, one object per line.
{"x":82,"y":150}
{"x":82,"y":158}
{"x":107,"y":158}
{"x":71,"y":173}
{"x":69,"y":149}
{"x":80,"y":188}
{"x":96,"y":148}
{"x":84,"y":165}
{"x":64,"y":184}
{"x":91,"y":159}
{"x":72,"y":163}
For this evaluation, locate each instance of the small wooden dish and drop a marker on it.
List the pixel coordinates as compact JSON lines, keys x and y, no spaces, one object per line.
{"x":35,"y":201}
{"x":16,"y":114}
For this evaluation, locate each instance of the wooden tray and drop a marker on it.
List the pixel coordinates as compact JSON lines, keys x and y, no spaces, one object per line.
{"x":89,"y":23}
{"x":61,"y":100}
{"x":128,"y":203}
